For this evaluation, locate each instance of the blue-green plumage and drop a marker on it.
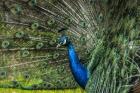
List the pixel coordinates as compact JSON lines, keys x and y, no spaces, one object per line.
{"x":79,"y":72}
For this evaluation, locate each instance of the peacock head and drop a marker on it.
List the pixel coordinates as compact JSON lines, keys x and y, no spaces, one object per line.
{"x":63,"y":41}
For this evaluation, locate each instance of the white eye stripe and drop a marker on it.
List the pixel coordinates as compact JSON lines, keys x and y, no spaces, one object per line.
{"x":64,"y":41}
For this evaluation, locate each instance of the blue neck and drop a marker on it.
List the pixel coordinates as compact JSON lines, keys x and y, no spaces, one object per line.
{"x":79,"y":72}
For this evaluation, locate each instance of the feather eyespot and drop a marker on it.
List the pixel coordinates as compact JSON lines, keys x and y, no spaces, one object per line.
{"x":5,"y":44}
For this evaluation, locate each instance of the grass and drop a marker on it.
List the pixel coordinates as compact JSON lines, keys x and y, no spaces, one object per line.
{"x":4,"y":90}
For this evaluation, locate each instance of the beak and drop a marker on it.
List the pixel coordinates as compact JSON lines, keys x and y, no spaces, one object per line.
{"x":58,"y":46}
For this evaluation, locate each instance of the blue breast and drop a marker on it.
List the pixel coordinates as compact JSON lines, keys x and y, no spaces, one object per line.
{"x":79,"y":72}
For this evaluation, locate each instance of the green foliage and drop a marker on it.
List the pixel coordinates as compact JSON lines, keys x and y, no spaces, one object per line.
{"x":77,"y":90}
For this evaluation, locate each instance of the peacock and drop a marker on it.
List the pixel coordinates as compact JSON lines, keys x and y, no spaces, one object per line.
{"x":80,"y":73}
{"x":101,"y":37}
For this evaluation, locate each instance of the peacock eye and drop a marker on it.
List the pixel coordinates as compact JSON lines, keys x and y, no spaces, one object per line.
{"x":34,"y":25}
{"x":32,"y":3}
{"x":46,"y":85}
{"x":3,"y":74}
{"x":25,"y":53}
{"x":5,"y":44}
{"x":26,"y":75}
{"x":20,"y":34}
{"x":16,"y":9}
{"x":52,"y":42}
{"x":83,"y":39}
{"x":49,"y":85}
{"x":100,"y":17}
{"x":35,"y":86}
{"x":50,"y":22}
{"x":15,"y":84}
{"x":58,"y":82}
{"x":55,"y":56}
{"x":39,"y":45}
{"x":83,"y":24}
{"x":68,"y":21}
